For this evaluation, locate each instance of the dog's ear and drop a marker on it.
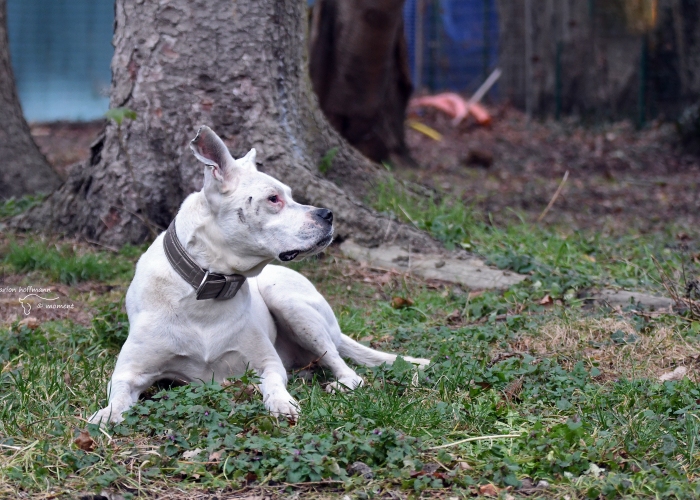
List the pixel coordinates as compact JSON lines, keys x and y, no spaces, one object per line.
{"x":211,"y":150}
{"x":248,"y":161}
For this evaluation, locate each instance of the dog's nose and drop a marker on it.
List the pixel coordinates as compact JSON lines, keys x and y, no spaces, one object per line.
{"x":324,"y":214}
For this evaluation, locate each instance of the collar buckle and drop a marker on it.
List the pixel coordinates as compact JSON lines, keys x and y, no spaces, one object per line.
{"x":200,"y":288}
{"x":207,"y":285}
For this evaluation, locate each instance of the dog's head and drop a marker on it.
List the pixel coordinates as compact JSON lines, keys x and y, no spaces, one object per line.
{"x":254,"y":214}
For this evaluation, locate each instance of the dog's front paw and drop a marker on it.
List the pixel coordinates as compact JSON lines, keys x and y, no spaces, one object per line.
{"x":349,"y":383}
{"x":106,"y":415}
{"x":283,"y":406}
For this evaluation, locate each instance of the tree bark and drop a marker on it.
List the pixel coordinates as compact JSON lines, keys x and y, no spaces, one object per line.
{"x":360,"y":73}
{"x":23,"y":169}
{"x":239,"y":68}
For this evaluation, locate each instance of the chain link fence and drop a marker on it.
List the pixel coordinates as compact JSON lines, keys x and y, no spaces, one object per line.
{"x":596,"y":59}
{"x":453,"y":44}
{"x":599,"y":59}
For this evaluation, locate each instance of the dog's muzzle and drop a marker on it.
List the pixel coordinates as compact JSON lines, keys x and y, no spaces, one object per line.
{"x":325,"y":215}
{"x":320,"y":245}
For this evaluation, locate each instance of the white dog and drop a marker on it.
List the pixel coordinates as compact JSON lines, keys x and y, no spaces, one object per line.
{"x":204,"y":303}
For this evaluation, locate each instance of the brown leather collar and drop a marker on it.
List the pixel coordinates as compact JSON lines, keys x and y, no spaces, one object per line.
{"x":207,"y":285}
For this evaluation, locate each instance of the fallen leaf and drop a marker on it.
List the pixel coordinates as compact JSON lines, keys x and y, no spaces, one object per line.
{"x":512,"y":390}
{"x":400,"y":302}
{"x":454,"y":316}
{"x":488,"y":490}
{"x":384,"y":279}
{"x":546,"y":300}
{"x":67,"y":378}
{"x":84,"y":441}
{"x":31,"y":323}
{"x":215,"y":456}
{"x":361,"y":469}
{"x":191,"y":453}
{"x":676,"y":374}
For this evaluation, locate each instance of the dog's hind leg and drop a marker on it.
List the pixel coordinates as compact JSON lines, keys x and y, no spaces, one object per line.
{"x":306,"y":326}
{"x":305,"y":319}
{"x":308,"y":332}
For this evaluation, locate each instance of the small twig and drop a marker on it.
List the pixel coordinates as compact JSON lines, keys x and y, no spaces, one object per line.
{"x":388,"y":229}
{"x":102,"y":245}
{"x":476,"y":438}
{"x":465,"y":311}
{"x":311,"y":364}
{"x":693,"y":306}
{"x":409,"y":217}
{"x":145,"y":222}
{"x":554,"y":198}
{"x":17,"y":448}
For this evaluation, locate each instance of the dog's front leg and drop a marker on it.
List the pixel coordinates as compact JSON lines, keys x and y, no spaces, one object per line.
{"x":122,"y":394}
{"x":130,"y":379}
{"x":273,"y":384}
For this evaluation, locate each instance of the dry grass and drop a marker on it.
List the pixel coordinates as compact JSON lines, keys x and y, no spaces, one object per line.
{"x":591,"y":340}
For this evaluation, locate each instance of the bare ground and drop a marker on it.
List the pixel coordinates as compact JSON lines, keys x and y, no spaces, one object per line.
{"x":620,"y":178}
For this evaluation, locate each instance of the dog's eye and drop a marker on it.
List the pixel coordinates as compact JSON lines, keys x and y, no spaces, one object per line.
{"x":273,"y":199}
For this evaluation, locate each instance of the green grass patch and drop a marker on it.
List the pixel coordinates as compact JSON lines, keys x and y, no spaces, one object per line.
{"x":67,"y":263}
{"x":587,"y":428}
{"x":15,"y":206}
{"x":561,"y":262}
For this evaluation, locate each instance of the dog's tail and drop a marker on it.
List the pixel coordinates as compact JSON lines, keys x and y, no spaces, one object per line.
{"x":366,"y":356}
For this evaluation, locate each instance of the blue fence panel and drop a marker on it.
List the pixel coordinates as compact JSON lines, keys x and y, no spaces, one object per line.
{"x":61,"y":52}
{"x":460,"y":42}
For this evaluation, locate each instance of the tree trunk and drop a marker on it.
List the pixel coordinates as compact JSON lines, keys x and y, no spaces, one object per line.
{"x":360,"y":73}
{"x":23,"y":169}
{"x":239,"y":68}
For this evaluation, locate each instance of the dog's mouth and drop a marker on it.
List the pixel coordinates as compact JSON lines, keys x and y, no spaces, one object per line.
{"x":293,"y":254}
{"x":287,"y":256}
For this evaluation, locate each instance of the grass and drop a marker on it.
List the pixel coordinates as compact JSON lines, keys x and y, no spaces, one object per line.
{"x":575,"y":386}
{"x":66,"y":263}
{"x":560,"y":260}
{"x":14,"y":206}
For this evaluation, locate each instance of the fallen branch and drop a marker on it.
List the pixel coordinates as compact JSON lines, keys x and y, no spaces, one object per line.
{"x":311,"y":364}
{"x":476,"y":438}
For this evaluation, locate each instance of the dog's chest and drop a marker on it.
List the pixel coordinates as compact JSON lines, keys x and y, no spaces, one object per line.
{"x":219,"y":337}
